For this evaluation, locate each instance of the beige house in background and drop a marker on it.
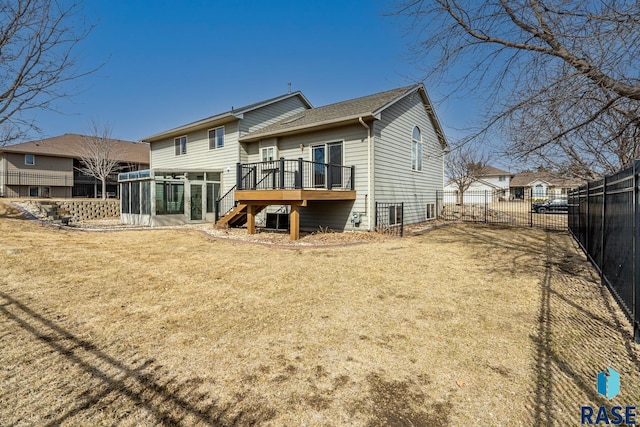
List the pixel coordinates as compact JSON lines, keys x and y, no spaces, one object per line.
{"x":48,"y":167}
{"x":541,"y":185}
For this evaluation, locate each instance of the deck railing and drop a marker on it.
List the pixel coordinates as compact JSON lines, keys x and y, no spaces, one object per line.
{"x":284,"y":174}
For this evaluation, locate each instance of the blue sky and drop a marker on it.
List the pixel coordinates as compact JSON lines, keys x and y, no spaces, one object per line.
{"x":167,"y":63}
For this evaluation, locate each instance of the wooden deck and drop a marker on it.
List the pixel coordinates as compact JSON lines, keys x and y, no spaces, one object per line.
{"x":253,"y":201}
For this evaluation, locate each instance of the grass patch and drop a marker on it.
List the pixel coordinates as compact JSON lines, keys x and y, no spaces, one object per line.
{"x":462,"y":325}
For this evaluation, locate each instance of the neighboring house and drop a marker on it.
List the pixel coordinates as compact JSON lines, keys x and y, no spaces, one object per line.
{"x":541,"y":185}
{"x":49,"y":167}
{"x":491,"y":183}
{"x":321,"y":167}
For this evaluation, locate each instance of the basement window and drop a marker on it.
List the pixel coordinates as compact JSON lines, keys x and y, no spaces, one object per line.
{"x":395,"y":214}
{"x":431,"y":210}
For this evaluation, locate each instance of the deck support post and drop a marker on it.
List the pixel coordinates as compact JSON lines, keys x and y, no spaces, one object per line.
{"x":251,"y":219}
{"x":294,"y":222}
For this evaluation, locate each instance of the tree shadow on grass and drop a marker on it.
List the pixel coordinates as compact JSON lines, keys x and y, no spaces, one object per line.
{"x":9,"y":211}
{"x":579,"y":333}
{"x":579,"y":330}
{"x":166,"y":399}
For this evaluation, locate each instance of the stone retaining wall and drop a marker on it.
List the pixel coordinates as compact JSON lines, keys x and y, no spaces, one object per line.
{"x":88,"y":209}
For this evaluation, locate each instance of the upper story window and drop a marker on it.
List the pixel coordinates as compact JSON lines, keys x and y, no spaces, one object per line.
{"x":268,"y":154}
{"x":29,"y":159}
{"x":216,"y":138}
{"x":180,"y":145}
{"x":502,"y":178}
{"x":416,"y":149}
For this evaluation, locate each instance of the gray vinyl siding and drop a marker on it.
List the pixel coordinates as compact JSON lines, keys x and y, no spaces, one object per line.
{"x":333,"y":214}
{"x":394,"y":180}
{"x":199,"y":156}
{"x":269,"y":114}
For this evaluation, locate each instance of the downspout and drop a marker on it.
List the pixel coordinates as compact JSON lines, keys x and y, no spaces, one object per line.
{"x":369,"y":174}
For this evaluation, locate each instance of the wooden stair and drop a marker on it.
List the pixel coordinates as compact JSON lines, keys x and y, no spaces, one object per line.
{"x":237,"y":216}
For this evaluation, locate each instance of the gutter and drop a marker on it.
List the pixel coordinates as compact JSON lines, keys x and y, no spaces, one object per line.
{"x":369,"y":173}
{"x":257,"y":135}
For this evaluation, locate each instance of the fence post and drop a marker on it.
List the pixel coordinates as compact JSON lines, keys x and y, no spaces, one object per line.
{"x":530,"y":207}
{"x":300,"y":173}
{"x":376,"y":217}
{"x":239,"y":176}
{"x":486,"y":207}
{"x":282,"y":173}
{"x":636,"y":255}
{"x":586,"y":234}
{"x":254,"y":178}
{"x":402,"y":222}
{"x":353,"y":177}
{"x":602,"y":222}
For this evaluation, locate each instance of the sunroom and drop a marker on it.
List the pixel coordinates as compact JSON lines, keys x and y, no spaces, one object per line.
{"x":168,"y":197}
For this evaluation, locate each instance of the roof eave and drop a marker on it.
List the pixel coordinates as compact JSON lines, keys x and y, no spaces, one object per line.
{"x":304,"y":128}
{"x":201,"y":124}
{"x":274,"y":100}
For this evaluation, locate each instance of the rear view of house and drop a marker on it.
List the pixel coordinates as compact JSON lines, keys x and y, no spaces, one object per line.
{"x":315,"y":167}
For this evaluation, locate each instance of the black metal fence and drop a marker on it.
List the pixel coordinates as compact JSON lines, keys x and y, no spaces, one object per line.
{"x":293,"y":174}
{"x":31,"y":184}
{"x":497,"y":207}
{"x":390,"y":218}
{"x":604,"y":218}
{"x":19,"y":184}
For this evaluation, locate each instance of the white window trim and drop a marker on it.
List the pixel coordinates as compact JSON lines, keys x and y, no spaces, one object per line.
{"x":275,"y":153}
{"x":176,"y":140}
{"x":396,"y":209}
{"x":33,"y":156}
{"x":215,"y":145}
{"x":418,"y":159}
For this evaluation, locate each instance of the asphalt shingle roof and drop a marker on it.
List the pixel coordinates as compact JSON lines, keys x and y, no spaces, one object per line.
{"x":359,"y":107}
{"x":493,"y":171}
{"x":230,"y":113}
{"x":68,"y":145}
{"x":524,"y":179}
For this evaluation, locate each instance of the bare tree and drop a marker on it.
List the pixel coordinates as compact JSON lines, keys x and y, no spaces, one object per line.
{"x":464,"y":166}
{"x":99,"y":154}
{"x":38,"y":39}
{"x":609,"y":142}
{"x":569,"y":66}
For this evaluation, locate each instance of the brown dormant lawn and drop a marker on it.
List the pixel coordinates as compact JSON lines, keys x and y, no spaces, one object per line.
{"x":464,"y":325}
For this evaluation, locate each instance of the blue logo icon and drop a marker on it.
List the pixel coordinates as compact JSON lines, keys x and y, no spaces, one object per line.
{"x":609,"y":383}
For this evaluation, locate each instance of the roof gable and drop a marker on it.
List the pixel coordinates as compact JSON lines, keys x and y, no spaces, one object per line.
{"x":370,"y":107}
{"x":231,"y":115}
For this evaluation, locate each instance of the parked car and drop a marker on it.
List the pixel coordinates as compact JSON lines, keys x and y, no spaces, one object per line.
{"x":552,"y":205}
